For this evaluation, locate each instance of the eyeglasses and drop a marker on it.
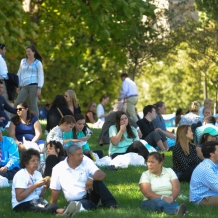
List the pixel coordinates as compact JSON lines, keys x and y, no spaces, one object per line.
{"x":20,"y":109}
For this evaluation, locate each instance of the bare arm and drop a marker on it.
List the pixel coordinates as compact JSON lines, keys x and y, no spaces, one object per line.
{"x":147,"y":192}
{"x":199,"y":153}
{"x":54,"y":195}
{"x":166,"y":133}
{"x":38,"y":131}
{"x":91,"y":118}
{"x":22,"y":193}
{"x":12,"y":133}
{"x":116,"y":139}
{"x":175,"y":188}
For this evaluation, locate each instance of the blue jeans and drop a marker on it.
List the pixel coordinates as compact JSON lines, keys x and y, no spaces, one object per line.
{"x":159,"y":205}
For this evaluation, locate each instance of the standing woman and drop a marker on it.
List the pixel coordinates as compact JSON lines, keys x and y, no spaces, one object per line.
{"x":72,"y":102}
{"x":90,"y":114}
{"x":31,"y":78}
{"x":185,"y":157}
{"x":100,"y":108}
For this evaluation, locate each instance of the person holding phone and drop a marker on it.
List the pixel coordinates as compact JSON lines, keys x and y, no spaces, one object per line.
{"x":79,"y":131}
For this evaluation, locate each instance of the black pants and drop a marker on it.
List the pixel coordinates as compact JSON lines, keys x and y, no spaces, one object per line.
{"x":136,"y":147}
{"x":155,"y":136}
{"x":99,"y":192}
{"x":50,"y":162}
{"x":186,"y":175}
{"x":27,"y":206}
{"x":98,"y":152}
{"x":10,"y":173}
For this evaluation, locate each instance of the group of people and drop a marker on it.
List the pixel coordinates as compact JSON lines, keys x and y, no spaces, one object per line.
{"x":69,"y":158}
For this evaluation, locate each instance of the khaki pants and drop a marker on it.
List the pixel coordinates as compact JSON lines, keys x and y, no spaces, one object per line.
{"x":130,"y":107}
{"x":210,"y":201}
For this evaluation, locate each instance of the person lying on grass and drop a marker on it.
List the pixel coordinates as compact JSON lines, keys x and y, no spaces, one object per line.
{"x":160,"y":187}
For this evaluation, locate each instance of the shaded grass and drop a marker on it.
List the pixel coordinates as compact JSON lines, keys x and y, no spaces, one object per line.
{"x":123,"y":184}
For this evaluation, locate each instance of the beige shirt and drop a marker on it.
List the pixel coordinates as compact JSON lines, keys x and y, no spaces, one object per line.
{"x":160,"y":185}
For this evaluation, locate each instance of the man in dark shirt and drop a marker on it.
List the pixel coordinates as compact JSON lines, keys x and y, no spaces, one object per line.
{"x":152,"y":137}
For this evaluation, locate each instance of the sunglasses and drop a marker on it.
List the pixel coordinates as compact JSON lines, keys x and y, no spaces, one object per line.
{"x":20,"y":109}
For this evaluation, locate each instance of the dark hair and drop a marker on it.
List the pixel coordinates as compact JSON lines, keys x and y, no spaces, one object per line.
{"x":27,"y":155}
{"x":1,"y":82}
{"x":209,"y":147}
{"x":129,"y":131}
{"x":147,"y":109}
{"x":158,"y":105}
{"x":204,"y":138}
{"x":210,"y":119}
{"x":2,"y":46}
{"x":16,"y":119}
{"x":37,"y":54}
{"x":57,"y":145}
{"x":79,"y":117}
{"x":178,"y":111}
{"x":59,"y":101}
{"x":69,"y":119}
{"x":103,"y":97}
{"x":124,"y":75}
{"x":158,"y":156}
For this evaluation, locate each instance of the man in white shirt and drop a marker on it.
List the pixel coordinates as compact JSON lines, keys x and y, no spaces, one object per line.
{"x":130,"y":94}
{"x":81,"y":180}
{"x":3,"y":71}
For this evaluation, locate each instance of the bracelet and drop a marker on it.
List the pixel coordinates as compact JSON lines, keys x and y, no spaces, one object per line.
{"x":90,"y":178}
{"x":162,"y":197}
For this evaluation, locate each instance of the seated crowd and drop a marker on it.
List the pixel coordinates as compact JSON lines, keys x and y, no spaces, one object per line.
{"x":69,"y":165}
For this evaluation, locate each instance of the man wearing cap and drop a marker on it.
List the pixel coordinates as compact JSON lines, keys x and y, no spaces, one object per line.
{"x":9,"y":157}
{"x":130,"y":94}
{"x":204,"y":180}
{"x":209,"y":122}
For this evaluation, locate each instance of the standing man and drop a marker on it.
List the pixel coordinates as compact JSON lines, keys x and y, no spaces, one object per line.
{"x":9,"y":157}
{"x":80,"y":180}
{"x":208,"y":103}
{"x":130,"y":93}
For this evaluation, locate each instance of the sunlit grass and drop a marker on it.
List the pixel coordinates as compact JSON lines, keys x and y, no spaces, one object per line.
{"x":123,"y":184}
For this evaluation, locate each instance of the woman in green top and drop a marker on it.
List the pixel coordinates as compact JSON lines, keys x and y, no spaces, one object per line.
{"x":124,"y":138}
{"x":79,"y":131}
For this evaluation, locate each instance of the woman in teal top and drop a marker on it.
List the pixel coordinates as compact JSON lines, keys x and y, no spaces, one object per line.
{"x":124,"y":138}
{"x":80,"y":132}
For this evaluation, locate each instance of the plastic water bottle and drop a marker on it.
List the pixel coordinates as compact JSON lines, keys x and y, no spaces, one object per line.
{"x":42,"y":164}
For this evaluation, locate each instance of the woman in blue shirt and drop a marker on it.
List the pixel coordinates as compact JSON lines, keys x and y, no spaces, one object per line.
{"x":124,"y":138}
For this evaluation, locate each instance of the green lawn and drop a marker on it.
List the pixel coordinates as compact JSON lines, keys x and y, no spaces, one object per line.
{"x":124,"y":186}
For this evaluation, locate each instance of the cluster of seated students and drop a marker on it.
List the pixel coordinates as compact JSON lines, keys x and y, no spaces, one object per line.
{"x":69,"y":165}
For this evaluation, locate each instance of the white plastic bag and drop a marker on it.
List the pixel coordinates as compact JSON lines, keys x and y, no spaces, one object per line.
{"x":3,"y":182}
{"x":121,"y":161}
{"x":105,"y":161}
{"x":29,"y":144}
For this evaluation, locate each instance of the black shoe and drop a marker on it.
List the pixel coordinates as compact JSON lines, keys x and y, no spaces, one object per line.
{"x":111,"y":167}
{"x":181,"y":210}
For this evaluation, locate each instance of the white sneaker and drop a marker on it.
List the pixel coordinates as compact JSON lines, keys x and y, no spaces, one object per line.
{"x":69,"y":209}
{"x":77,"y":209}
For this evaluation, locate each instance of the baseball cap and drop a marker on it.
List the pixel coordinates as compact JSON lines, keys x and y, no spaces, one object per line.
{"x":211,"y":131}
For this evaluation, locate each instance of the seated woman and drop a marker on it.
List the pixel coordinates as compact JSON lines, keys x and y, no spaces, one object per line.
{"x":160,"y":187}
{"x":124,"y":138}
{"x":72,"y":102}
{"x":209,"y":134}
{"x":55,"y":153}
{"x":58,"y":109}
{"x":26,"y":125}
{"x":191,"y":117}
{"x":28,"y":188}
{"x":160,"y":125}
{"x":185,"y":157}
{"x":80,"y":132}
{"x":91,"y":114}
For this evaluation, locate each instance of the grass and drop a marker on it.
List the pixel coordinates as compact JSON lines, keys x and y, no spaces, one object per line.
{"x":123,"y":184}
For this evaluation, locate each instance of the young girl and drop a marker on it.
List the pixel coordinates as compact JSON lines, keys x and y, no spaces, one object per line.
{"x":79,"y":132}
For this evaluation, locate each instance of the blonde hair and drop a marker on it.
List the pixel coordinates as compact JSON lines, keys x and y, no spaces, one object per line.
{"x":195,"y":107}
{"x":73,"y":98}
{"x":181,"y":138}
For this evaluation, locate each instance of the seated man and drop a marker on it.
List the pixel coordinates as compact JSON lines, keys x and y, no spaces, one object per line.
{"x":110,"y":121}
{"x":204,"y":180}
{"x":152,"y":137}
{"x":209,"y":122}
{"x":9,"y":157}
{"x":81,"y":180}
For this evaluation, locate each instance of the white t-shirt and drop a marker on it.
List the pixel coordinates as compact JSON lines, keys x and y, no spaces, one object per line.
{"x":100,"y":111}
{"x":72,"y":181}
{"x":23,"y":179}
{"x":55,"y":134}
